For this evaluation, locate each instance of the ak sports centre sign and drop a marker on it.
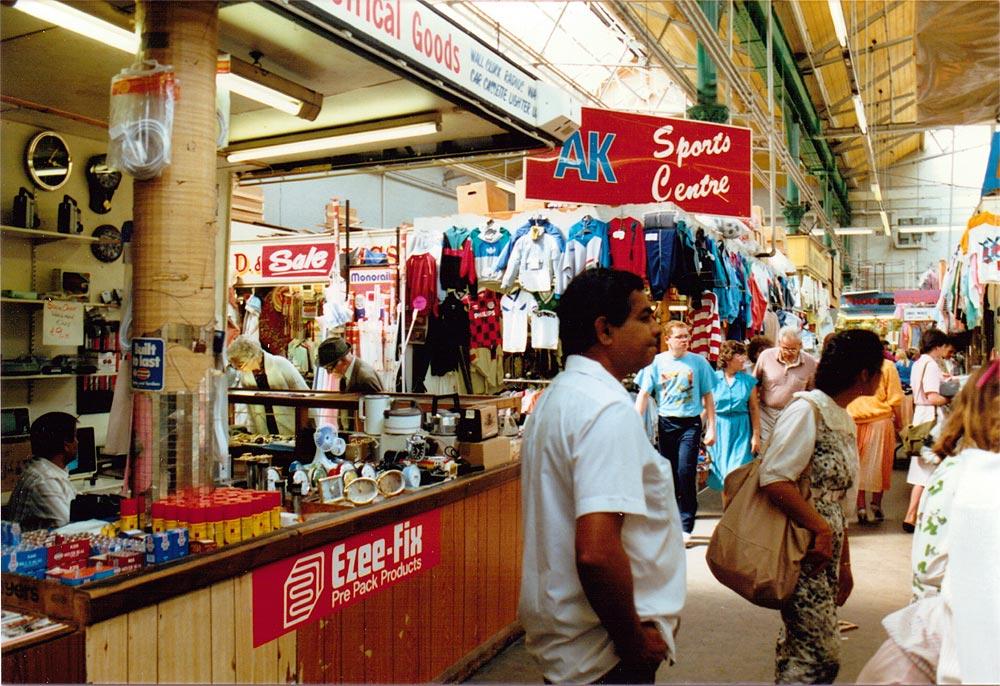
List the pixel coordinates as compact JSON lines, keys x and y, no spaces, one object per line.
{"x":619,"y":158}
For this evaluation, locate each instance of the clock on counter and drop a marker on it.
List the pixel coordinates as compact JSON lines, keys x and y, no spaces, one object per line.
{"x":48,"y":160}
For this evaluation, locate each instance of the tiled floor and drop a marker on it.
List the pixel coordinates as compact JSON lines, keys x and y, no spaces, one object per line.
{"x":723,"y":638}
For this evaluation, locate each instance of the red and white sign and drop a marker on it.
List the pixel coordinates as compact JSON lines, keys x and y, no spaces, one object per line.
{"x":292,"y":593}
{"x":296,"y":260}
{"x":618,"y":158}
{"x":373,"y":293}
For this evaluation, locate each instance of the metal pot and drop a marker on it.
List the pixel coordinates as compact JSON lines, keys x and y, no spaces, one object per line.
{"x":402,"y":419}
{"x":443,"y":422}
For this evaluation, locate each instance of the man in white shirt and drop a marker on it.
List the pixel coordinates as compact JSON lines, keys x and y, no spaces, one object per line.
{"x":43,"y":493}
{"x":603,"y":572}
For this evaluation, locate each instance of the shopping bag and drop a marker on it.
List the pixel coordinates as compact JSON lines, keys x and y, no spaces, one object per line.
{"x":756,"y":550}
{"x":915,"y":437}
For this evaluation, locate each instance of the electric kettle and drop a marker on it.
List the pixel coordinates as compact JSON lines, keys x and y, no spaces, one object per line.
{"x":371,"y":411}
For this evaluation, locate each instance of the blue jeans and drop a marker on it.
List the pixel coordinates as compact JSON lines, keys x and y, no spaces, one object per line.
{"x":680,"y":438}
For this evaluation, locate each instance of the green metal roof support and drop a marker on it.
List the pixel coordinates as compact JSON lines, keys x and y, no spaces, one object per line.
{"x":708,"y":107}
{"x":755,"y":11}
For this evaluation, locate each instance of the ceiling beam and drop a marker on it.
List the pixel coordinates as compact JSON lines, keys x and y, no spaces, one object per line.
{"x":865,"y":23}
{"x":881,"y":76}
{"x":817,"y":59}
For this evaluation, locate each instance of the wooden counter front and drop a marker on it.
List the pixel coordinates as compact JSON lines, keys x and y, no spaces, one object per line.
{"x":192,"y":621}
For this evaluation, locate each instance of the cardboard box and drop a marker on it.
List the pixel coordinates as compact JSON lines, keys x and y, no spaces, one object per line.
{"x":69,"y":555}
{"x":523,"y":204}
{"x":15,"y":456}
{"x":489,"y":453}
{"x":482,"y":197}
{"x":478,"y":422}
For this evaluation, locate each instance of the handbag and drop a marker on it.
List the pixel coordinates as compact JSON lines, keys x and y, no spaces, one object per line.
{"x":756,"y":550}
{"x":916,"y":437}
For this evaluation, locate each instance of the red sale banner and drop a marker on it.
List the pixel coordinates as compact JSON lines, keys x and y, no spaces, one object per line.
{"x":301,"y":590}
{"x":619,"y":157}
{"x":301,"y":260}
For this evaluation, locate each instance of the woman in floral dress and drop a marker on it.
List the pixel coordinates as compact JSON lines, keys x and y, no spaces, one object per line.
{"x":814,"y":434}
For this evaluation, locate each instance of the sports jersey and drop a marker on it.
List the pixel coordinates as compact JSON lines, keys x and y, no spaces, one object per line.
{"x":516,"y":308}
{"x":458,"y":269}
{"x":487,"y":245}
{"x":484,"y":319}
{"x":627,"y":245}
{"x":544,"y":330}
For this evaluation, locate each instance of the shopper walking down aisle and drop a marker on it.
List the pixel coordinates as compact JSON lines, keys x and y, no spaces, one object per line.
{"x":928,"y":406}
{"x":878,"y":418}
{"x":816,"y":435}
{"x":948,"y":633}
{"x":682,"y":384}
{"x":782,"y":371}
{"x":737,"y":415}
{"x":904,"y":366}
{"x":603,"y":572}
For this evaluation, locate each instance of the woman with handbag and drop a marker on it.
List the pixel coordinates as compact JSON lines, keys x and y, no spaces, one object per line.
{"x":815,"y":435}
{"x":928,"y":409}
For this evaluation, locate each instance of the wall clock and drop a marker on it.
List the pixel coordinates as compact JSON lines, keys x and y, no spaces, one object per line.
{"x":48,"y":160}
{"x":109,"y":246}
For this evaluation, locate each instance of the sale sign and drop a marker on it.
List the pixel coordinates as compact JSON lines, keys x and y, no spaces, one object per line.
{"x":618,"y":158}
{"x":292,"y":593}
{"x":289,"y":260}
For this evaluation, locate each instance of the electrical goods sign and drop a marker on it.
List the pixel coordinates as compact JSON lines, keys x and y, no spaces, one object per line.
{"x":427,"y":39}
{"x":619,"y":157}
{"x":292,"y":593}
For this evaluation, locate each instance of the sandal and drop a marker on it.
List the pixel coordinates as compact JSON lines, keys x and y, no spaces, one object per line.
{"x":877,"y":513}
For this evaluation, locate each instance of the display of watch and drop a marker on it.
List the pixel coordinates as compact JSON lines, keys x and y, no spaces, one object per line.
{"x":109,"y":246}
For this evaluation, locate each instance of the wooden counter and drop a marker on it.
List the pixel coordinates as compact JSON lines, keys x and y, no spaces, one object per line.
{"x":191,"y":621}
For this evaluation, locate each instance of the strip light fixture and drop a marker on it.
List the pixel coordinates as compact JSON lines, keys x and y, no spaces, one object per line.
{"x":240,"y":77}
{"x":82,"y":23}
{"x":859,"y":110}
{"x":928,"y":228}
{"x":876,"y":191}
{"x":885,"y":221}
{"x":346,"y":137}
{"x":839,"y":24}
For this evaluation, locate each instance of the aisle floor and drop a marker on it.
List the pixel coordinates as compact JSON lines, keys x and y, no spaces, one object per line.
{"x":723,"y":638}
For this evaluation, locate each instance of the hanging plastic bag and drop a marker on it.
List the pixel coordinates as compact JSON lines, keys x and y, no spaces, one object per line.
{"x":142,"y":119}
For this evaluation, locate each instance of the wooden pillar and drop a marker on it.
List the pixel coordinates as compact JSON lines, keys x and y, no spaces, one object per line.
{"x":174,"y":277}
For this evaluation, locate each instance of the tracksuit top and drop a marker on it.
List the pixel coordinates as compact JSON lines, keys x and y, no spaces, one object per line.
{"x":487,"y":245}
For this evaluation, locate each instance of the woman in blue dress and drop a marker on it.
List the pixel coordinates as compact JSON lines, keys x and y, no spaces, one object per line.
{"x":737,"y":413}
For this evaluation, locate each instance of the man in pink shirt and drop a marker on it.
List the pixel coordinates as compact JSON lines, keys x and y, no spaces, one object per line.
{"x":782,"y":371}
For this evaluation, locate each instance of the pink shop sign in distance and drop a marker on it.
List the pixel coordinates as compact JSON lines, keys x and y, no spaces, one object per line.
{"x":285,"y":262}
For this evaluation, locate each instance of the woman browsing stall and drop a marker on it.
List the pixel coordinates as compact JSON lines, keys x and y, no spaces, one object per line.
{"x":814,"y":434}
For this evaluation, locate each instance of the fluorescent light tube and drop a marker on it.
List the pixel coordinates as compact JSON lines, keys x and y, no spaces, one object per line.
{"x":859,"y":109}
{"x":260,"y":93}
{"x":928,"y":228}
{"x":677,"y":308}
{"x":85,"y":24}
{"x":846,"y":231}
{"x":839,"y":25}
{"x":877,"y":192}
{"x":343,"y":140}
{"x":885,"y":221}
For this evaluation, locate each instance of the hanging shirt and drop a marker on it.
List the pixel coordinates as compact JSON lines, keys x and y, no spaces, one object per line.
{"x":485,"y":321}
{"x":546,"y":226}
{"x":627,"y":245}
{"x":421,"y":282}
{"x":516,"y":308}
{"x":544,"y":330}
{"x":534,"y":263}
{"x":448,"y":336}
{"x":706,"y":329}
{"x":458,"y":268}
{"x":487,"y":245}
{"x":582,"y":252}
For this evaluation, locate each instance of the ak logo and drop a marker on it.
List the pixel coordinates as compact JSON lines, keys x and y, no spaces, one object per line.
{"x":589,"y":160}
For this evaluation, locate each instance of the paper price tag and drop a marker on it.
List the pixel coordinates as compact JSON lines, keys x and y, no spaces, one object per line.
{"x":62,"y":323}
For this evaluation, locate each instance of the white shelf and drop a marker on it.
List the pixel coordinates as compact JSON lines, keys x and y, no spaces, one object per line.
{"x":24,"y":301}
{"x":33,"y":377}
{"x":40,"y":236}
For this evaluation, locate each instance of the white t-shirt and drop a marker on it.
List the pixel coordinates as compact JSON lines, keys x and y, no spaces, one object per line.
{"x":544,"y":330}
{"x":925,"y":377}
{"x":43,"y":492}
{"x":516,"y":309}
{"x":585,"y":451}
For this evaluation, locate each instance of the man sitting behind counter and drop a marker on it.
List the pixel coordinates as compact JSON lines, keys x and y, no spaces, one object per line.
{"x":356,"y":376}
{"x":42,"y":496}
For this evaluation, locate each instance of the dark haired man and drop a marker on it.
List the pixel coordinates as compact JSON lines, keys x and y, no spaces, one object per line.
{"x":603,"y":572}
{"x":42,"y":495}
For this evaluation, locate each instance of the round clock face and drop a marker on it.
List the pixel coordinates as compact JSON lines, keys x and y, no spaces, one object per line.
{"x":48,"y":159}
{"x":109,"y":246}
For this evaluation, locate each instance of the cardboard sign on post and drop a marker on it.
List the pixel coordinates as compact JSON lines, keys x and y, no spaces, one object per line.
{"x":618,"y":158}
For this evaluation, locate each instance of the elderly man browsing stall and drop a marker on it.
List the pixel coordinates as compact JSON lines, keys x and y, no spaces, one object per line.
{"x":782,"y":371}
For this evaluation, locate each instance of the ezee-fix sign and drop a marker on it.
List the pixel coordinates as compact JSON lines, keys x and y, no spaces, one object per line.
{"x":148,"y":359}
{"x":297,"y":591}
